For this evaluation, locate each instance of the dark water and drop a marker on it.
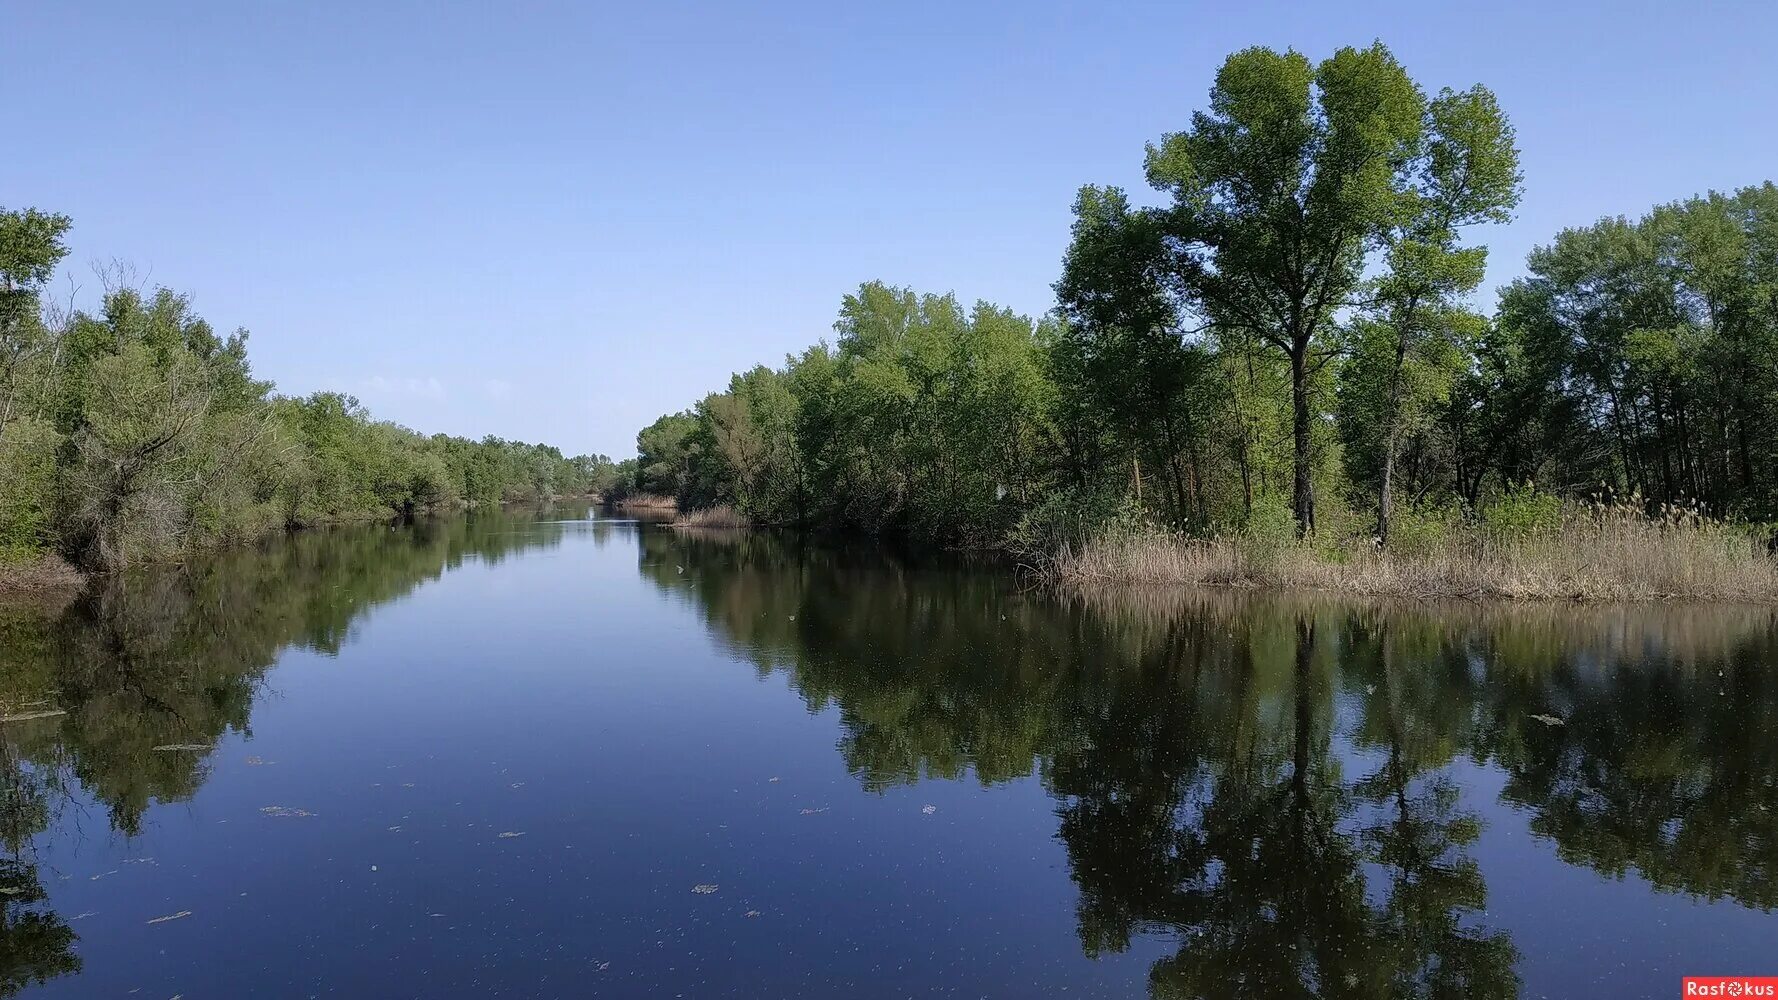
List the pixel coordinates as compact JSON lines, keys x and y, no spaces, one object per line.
{"x":543,"y":756}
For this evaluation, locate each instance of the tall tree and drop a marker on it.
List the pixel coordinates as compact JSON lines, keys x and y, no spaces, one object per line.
{"x":1467,"y":173}
{"x":1280,"y":190}
{"x":1127,"y":338}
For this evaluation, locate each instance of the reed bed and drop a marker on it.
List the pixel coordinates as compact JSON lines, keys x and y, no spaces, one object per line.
{"x":646,"y":501}
{"x":37,"y":573}
{"x":1584,"y":553}
{"x":720,"y":516}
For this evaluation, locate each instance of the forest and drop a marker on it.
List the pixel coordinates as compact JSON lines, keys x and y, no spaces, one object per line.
{"x":1280,"y":352}
{"x":1285,"y":347}
{"x":137,"y":431}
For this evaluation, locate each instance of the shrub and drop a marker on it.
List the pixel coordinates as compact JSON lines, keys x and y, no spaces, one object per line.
{"x":1520,"y":511}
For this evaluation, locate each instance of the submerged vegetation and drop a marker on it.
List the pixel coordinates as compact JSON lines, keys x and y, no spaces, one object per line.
{"x":138,"y":431}
{"x":1274,"y":375}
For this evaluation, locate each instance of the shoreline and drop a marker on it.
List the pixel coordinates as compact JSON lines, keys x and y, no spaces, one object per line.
{"x":49,"y":572}
{"x":1650,"y":567}
{"x":1620,"y":564}
{"x":44,"y":573}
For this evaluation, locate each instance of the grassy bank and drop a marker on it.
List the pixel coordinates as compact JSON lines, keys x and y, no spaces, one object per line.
{"x":35,"y":573}
{"x":1584,"y":553}
{"x":720,"y":516}
{"x":646,"y":501}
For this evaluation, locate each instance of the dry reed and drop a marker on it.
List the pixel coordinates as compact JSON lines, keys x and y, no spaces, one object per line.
{"x":1588,"y":553}
{"x":39,"y":573}
{"x":646,"y":501}
{"x":720,"y":516}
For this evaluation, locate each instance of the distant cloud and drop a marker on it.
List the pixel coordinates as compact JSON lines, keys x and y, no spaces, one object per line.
{"x":497,"y":388}
{"x":428,"y":387}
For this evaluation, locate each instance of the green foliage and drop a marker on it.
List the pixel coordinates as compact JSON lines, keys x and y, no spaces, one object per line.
{"x":27,"y":487}
{"x":1279,"y":191}
{"x":1271,"y":520}
{"x":925,"y":419}
{"x":1521,"y":511}
{"x":1423,"y":527}
{"x":138,"y":431}
{"x":1640,"y":353}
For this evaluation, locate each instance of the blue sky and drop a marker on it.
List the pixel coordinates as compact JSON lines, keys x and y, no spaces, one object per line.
{"x":554,"y":222}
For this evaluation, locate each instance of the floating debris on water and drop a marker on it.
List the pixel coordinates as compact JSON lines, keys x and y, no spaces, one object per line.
{"x":95,"y":878}
{"x":750,"y":914}
{"x":704,"y":888}
{"x":255,"y":761}
{"x":929,"y":810}
{"x":42,"y":713}
{"x":812,"y":812}
{"x":774,"y":779}
{"x":508,"y":835}
{"x":171,"y":916}
{"x":1548,"y":720}
{"x":285,"y":811}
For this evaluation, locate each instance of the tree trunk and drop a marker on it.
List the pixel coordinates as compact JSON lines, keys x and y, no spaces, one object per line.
{"x":1391,"y":420}
{"x":1302,"y":490}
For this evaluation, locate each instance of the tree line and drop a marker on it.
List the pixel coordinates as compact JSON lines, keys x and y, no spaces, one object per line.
{"x":1285,"y":342}
{"x":137,"y":430}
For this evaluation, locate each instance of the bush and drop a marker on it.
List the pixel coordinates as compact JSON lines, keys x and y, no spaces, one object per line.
{"x":27,"y":487}
{"x":1070,"y":519}
{"x":1521,"y":512}
{"x":1422,"y":528}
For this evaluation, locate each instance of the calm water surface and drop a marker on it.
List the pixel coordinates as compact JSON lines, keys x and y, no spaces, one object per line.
{"x":544,"y":755}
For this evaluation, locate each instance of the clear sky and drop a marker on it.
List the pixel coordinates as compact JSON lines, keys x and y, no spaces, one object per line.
{"x":557,"y":221}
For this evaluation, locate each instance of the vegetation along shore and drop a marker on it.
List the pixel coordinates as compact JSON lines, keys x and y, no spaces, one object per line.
{"x":136,"y":432}
{"x":1275,"y":374}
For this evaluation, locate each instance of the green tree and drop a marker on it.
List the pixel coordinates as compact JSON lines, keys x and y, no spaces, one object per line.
{"x":1124,"y":349}
{"x":1466,"y":173}
{"x":1279,"y":191}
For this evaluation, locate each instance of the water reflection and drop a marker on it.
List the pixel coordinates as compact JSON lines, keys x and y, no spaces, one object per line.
{"x":1283,"y":791}
{"x":149,"y":671}
{"x":1278,"y":783}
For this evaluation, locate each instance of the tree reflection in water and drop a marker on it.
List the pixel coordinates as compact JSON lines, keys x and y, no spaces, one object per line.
{"x":1272,"y":781}
{"x":177,"y":655}
{"x":1276,"y":786}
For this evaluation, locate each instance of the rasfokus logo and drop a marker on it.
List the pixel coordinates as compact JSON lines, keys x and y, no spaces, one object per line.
{"x":1731,"y":986}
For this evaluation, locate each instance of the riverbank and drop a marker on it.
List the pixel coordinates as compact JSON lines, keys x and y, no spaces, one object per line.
{"x":38,"y":573}
{"x":645,"y":501}
{"x":1600,"y":559}
{"x":50,"y":572}
{"x":720,"y":516}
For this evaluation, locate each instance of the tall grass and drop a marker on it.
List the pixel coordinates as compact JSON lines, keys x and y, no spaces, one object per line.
{"x":646,"y":501}
{"x":31,"y":572}
{"x":720,"y":516}
{"x":1588,"y":552}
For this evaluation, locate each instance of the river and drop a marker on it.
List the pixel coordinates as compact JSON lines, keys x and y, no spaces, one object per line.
{"x":558,"y":754}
